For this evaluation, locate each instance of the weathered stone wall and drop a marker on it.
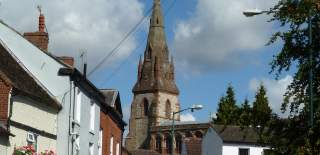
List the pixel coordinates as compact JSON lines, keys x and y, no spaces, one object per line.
{"x":140,"y":124}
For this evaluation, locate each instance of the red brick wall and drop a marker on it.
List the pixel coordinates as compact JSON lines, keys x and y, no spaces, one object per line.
{"x":39,"y":39}
{"x":4,"y":94}
{"x":109,"y":129}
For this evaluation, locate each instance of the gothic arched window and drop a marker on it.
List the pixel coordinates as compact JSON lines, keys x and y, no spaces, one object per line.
{"x":159,"y":144}
{"x":168,"y":109}
{"x":178,"y":143}
{"x":168,"y":144}
{"x":198,"y":134}
{"x":145,"y":107}
{"x":188,"y":134}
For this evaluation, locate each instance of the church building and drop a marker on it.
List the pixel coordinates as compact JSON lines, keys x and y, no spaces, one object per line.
{"x":156,"y":97}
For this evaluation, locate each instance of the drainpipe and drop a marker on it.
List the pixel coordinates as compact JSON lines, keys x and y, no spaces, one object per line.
{"x":10,"y":108}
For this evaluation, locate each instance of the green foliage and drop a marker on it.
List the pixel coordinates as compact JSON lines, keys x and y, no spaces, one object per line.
{"x":245,"y":119}
{"x":261,"y":112}
{"x":227,"y":111}
{"x":293,"y":135}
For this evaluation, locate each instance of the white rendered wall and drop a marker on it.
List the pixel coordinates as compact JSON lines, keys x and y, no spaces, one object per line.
{"x":233,"y":149}
{"x":36,"y":115}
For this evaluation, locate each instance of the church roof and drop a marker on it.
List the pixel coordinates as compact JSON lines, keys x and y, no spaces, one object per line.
{"x":156,"y":71}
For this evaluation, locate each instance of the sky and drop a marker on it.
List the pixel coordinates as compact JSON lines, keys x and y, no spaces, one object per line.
{"x":213,"y":45}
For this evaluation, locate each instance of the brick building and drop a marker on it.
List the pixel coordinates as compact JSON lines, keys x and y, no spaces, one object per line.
{"x":111,"y":124}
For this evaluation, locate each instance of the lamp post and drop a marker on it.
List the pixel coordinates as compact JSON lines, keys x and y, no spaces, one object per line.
{"x":193,"y":108}
{"x":250,"y":13}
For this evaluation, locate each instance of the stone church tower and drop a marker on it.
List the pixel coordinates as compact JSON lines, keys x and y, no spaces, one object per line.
{"x":155,"y":92}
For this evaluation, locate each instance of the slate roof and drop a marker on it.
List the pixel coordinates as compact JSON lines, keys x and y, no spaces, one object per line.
{"x":144,"y":152}
{"x":234,"y":134}
{"x":193,"y":146}
{"x":21,"y":80}
{"x":110,"y":96}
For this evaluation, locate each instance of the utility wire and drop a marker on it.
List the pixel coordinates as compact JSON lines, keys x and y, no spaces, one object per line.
{"x":125,"y":61}
{"x":111,"y":53}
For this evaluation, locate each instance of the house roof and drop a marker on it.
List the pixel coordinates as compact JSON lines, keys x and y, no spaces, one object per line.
{"x":22,"y":81}
{"x":112,"y":98}
{"x":234,"y":134}
{"x":192,"y":146}
{"x":40,"y":66}
{"x":144,"y":152}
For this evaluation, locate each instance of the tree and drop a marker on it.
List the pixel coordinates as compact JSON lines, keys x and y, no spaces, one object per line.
{"x":293,"y":17}
{"x":227,"y":110}
{"x":245,"y":114}
{"x":261,"y":112}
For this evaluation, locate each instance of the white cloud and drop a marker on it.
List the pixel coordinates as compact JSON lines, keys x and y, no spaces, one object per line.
{"x":95,"y":26}
{"x":275,"y":91}
{"x":218,"y":36}
{"x":187,"y":117}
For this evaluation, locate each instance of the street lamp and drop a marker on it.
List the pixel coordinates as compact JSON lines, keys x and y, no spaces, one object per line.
{"x":250,"y":13}
{"x":192,"y":109}
{"x":253,"y":12}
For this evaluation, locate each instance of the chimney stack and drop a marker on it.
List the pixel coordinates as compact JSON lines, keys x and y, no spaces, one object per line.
{"x":41,"y":37}
{"x":42,"y":23}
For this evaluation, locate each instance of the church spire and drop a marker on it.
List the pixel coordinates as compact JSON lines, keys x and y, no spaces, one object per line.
{"x":156,"y":68}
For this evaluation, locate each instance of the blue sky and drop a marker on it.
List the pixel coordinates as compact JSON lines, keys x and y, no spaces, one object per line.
{"x":212,"y":42}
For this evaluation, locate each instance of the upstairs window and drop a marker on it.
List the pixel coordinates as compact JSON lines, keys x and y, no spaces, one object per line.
{"x":92,"y":115}
{"x":111,"y":145}
{"x":100,"y":141}
{"x":78,"y":105}
{"x":243,"y":151}
{"x":91,"y":147}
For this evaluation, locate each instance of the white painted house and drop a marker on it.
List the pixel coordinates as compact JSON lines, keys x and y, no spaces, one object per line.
{"x":233,"y":140}
{"x":56,"y":107}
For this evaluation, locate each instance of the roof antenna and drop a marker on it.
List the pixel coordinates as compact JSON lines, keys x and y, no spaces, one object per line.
{"x":39,"y":9}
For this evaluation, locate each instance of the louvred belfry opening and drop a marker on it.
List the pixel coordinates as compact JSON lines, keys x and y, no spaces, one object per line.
{"x":156,"y":71}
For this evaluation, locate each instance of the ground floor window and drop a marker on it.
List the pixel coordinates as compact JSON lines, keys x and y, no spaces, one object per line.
{"x":243,"y":151}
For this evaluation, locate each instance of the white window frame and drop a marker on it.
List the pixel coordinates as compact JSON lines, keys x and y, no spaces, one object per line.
{"x":92,"y":116}
{"x":118,"y":149}
{"x":77,"y":143}
{"x":32,"y":139}
{"x":78,"y":105}
{"x":91,"y":149}
{"x":111,"y":145}
{"x":100,"y":141}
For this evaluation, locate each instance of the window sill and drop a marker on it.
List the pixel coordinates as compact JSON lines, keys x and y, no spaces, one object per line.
{"x":91,"y":132}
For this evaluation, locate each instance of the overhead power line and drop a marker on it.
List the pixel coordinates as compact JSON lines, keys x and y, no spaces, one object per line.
{"x":115,"y":71}
{"x":111,"y":53}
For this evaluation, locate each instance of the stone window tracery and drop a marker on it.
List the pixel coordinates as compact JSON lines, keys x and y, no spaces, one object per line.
{"x":168,"y":109}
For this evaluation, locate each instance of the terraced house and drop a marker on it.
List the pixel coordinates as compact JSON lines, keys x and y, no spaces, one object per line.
{"x":49,"y":104}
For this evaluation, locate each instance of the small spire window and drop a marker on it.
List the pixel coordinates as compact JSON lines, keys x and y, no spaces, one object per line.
{"x":168,"y":109}
{"x":145,"y":107}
